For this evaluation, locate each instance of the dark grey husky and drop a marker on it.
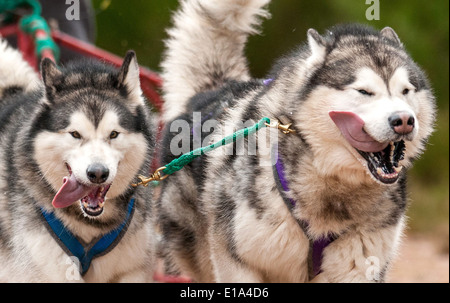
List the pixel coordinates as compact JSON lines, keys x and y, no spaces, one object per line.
{"x":331,"y":207}
{"x":70,"y":148}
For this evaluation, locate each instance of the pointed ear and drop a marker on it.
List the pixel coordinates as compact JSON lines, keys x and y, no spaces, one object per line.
{"x":317,"y":45}
{"x":51,"y":76}
{"x":129,"y":75}
{"x":390,"y":34}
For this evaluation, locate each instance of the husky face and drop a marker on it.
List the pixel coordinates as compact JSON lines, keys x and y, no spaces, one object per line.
{"x":91,"y":145}
{"x":377,"y":100}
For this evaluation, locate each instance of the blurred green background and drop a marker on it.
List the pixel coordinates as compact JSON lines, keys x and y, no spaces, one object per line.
{"x":423,"y":26}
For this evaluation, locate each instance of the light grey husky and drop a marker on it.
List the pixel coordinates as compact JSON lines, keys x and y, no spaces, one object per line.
{"x":332,"y":205}
{"x":69,"y":149}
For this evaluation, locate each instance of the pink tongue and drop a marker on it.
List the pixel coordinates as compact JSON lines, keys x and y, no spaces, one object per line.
{"x":70,"y":192}
{"x":351,"y":127}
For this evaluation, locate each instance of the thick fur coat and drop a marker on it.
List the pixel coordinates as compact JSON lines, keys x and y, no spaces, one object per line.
{"x":71,"y":146}
{"x":362,"y":111}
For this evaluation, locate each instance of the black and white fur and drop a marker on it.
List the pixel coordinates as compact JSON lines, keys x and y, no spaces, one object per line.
{"x":84,"y":113}
{"x":223,"y":217}
{"x":17,"y":77}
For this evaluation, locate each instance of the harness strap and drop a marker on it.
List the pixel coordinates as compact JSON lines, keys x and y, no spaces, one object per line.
{"x":76,"y":247}
{"x":316,"y":246}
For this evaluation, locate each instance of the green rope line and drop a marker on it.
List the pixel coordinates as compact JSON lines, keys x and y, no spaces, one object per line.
{"x":185,"y":159}
{"x":10,"y":5}
{"x":32,"y":23}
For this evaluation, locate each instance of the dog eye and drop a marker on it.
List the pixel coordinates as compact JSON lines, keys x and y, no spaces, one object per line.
{"x":405,"y":91}
{"x":364,"y":92}
{"x":76,"y":135}
{"x":113,"y":134}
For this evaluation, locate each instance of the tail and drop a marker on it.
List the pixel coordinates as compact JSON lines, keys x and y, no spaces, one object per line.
{"x":205,"y":48}
{"x":16,"y":75}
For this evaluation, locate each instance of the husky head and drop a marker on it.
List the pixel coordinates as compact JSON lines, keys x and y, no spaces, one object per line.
{"x":93,"y":136}
{"x":362,"y":101}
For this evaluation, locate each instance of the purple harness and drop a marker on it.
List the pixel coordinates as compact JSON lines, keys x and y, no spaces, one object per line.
{"x":316,"y":246}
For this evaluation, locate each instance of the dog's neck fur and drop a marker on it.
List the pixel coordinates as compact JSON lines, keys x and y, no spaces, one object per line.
{"x":332,"y":214}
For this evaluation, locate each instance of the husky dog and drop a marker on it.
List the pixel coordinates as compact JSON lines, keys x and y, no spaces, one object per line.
{"x":70,"y":150}
{"x":332,"y":206}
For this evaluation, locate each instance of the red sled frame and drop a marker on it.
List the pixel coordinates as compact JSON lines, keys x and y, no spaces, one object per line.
{"x":150,"y":81}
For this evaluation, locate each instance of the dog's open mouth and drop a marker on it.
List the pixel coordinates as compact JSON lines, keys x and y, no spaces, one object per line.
{"x":92,"y":198}
{"x":385,"y":165}
{"x":383,"y":158}
{"x":93,"y":203}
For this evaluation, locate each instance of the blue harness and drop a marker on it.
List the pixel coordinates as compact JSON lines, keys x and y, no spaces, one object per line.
{"x":86,"y":252}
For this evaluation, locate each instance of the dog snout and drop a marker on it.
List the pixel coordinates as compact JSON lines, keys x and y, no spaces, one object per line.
{"x":402,"y":122}
{"x":97,"y":173}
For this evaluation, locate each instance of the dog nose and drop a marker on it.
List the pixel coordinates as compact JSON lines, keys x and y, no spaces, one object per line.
{"x":97,"y":173}
{"x":402,"y":122}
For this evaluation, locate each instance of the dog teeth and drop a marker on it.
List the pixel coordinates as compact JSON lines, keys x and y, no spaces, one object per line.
{"x":100,"y":192}
{"x":398,"y":169}
{"x":100,"y":205}
{"x":389,"y":176}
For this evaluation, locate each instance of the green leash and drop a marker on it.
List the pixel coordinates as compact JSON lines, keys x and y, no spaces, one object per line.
{"x":30,"y":24}
{"x":187,"y":158}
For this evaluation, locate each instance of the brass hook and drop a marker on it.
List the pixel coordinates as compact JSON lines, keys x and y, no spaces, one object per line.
{"x":156,"y":176}
{"x":285,"y":128}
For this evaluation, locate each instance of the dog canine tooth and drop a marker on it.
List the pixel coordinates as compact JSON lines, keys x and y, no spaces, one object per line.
{"x":380,"y":171}
{"x":398,"y":169}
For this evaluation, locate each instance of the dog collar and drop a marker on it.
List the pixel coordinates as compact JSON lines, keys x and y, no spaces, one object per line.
{"x":317,"y":246}
{"x":74,"y":246}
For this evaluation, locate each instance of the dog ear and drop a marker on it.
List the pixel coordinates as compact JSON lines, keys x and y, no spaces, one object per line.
{"x":390,"y":34}
{"x":129,"y":76}
{"x":51,"y":76}
{"x":317,"y":45}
